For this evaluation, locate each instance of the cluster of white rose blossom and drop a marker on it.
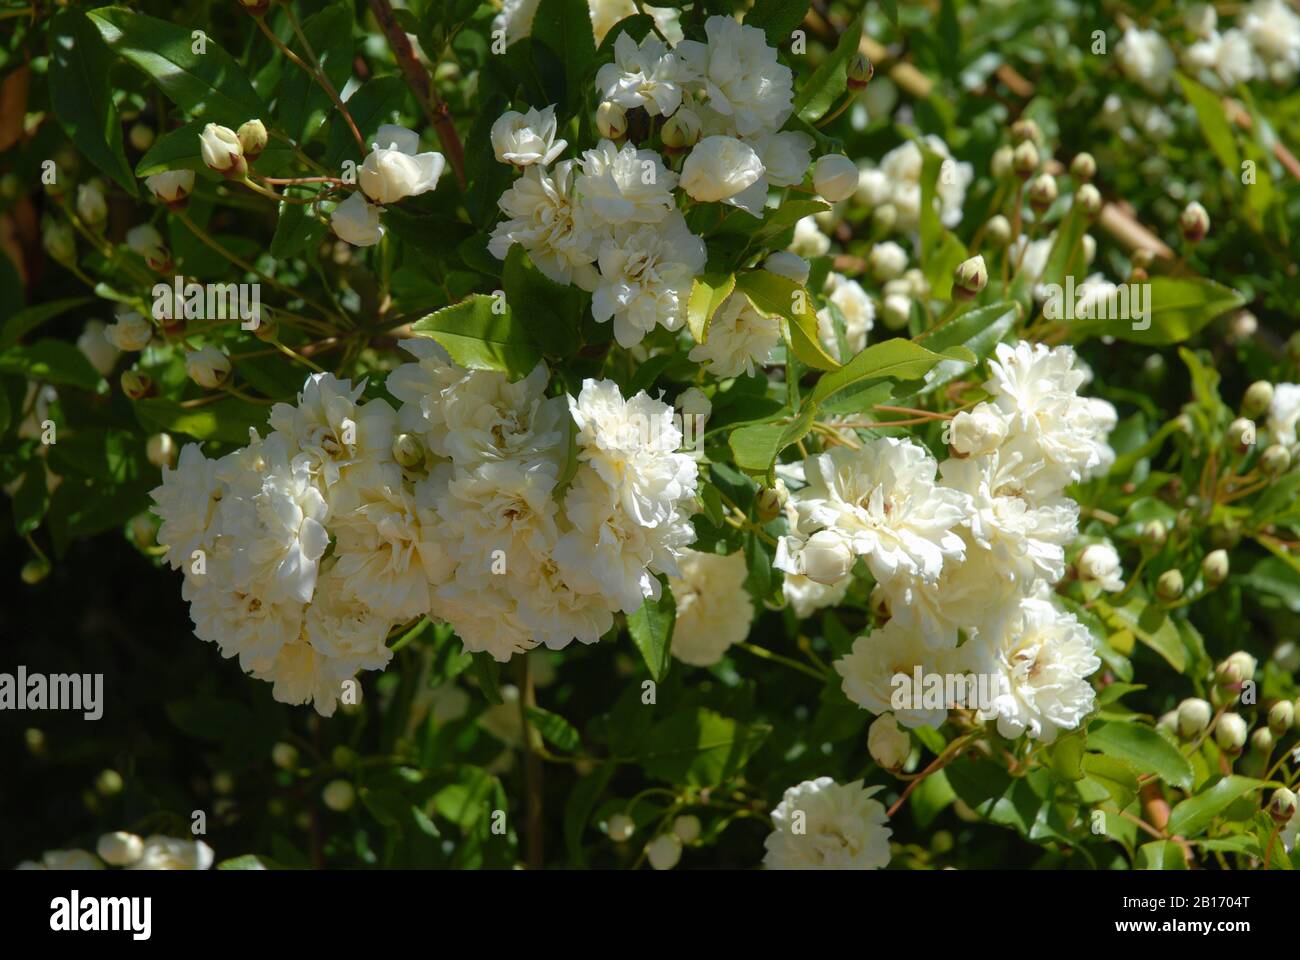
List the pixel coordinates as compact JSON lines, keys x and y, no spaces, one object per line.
{"x":964,"y":553}
{"x":896,"y":183}
{"x":131,"y":852}
{"x":610,"y":221}
{"x":823,"y":825}
{"x":1264,"y":45}
{"x":303,"y":550}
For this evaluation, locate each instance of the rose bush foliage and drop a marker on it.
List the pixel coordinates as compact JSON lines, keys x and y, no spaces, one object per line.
{"x":576,"y":423}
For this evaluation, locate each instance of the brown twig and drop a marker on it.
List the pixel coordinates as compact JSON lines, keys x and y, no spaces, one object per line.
{"x":435,"y":110}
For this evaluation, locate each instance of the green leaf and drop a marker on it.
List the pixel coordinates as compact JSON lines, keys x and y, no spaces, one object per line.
{"x":487,"y":671}
{"x":31,"y":499}
{"x":651,"y":628}
{"x":777,"y":18}
{"x":554,"y":729}
{"x":776,"y":296}
{"x":707,"y":294}
{"x":1179,"y":308}
{"x":551,"y":312}
{"x":756,"y":446}
{"x":577,"y":810}
{"x":564,"y":26}
{"x":1112,"y":776}
{"x":227,"y":419}
{"x":1144,"y":749}
{"x":301,"y":103}
{"x":1160,"y":855}
{"x":82,"y":97}
{"x":896,"y":359}
{"x":1214,"y":124}
{"x":830,"y":79}
{"x":479,"y":337}
{"x":211,"y":84}
{"x":28,"y":319}
{"x":1067,"y":248}
{"x":1190,"y":817}
{"x":296,"y":230}
{"x":701,"y":748}
{"x":249,"y":861}
{"x":979,"y":331}
{"x":1150,"y":624}
{"x":51,"y":361}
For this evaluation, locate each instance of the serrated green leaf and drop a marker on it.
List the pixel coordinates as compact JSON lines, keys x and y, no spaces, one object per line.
{"x":481,"y":333}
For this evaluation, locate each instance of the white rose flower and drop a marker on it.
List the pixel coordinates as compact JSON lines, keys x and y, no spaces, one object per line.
{"x":855,"y":307}
{"x":979,"y":430}
{"x":1043,"y":660}
{"x":785,"y":156}
{"x":727,"y":170}
{"x":1274,"y":30}
{"x":1145,"y":58}
{"x":64,"y":860}
{"x":1099,"y":564}
{"x":120,"y":849}
{"x":743,"y":80}
{"x":356,"y":221}
{"x":823,"y":825}
{"x":714,"y":610}
{"x":806,"y":596}
{"x":625,"y":185}
{"x":171,"y":186}
{"x":522,"y":139}
{"x":95,"y":346}
{"x":395,"y":169}
{"x":888,"y":260}
{"x":91,"y":206}
{"x":186,"y":503}
{"x":888,"y":745}
{"x":278,"y":528}
{"x":221,"y":150}
{"x":825,"y":557}
{"x":144,"y":240}
{"x":740,"y":339}
{"x":388,"y":547}
{"x":207,"y":366}
{"x":169,"y":853}
{"x":648,"y":75}
{"x":129,"y":331}
{"x":544,"y":220}
{"x":874,"y":187}
{"x":1060,"y":436}
{"x":809,"y":241}
{"x":835,"y":177}
{"x":789,"y":265}
{"x":646,"y":274}
{"x":879,"y":673}
{"x":1283,"y":413}
{"x":1024,"y":539}
{"x":884,"y":502}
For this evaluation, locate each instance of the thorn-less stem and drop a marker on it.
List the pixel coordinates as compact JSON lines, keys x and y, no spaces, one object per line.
{"x":314,"y":71}
{"x":765,"y":654}
{"x":435,"y":109}
{"x":532,"y":770}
